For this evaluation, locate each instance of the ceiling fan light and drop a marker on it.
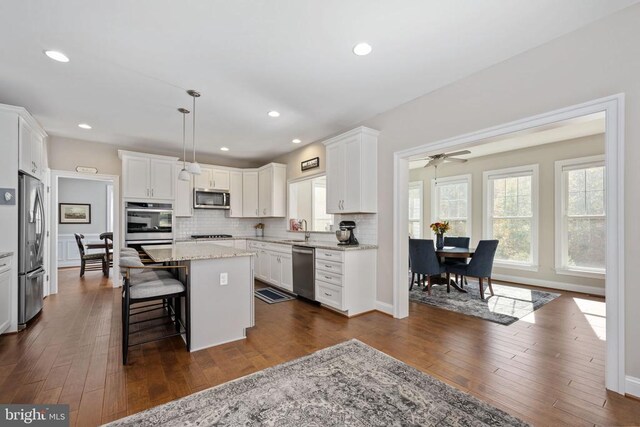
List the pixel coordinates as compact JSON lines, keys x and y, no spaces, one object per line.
{"x":184,"y":175}
{"x":194,"y":168}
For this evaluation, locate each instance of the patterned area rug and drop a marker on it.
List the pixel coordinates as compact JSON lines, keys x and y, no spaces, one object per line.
{"x":508,"y":305}
{"x":271,"y":296}
{"x":349,"y":384}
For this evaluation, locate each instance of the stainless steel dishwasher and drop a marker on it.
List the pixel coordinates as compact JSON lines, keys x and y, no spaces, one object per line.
{"x":304,"y":272}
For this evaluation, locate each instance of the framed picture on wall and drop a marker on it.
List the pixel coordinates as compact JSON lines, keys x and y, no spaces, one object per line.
{"x":74,"y":213}
{"x":310,"y":164}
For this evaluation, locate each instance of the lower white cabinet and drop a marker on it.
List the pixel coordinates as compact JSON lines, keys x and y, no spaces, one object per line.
{"x":5,"y":293}
{"x":345,"y":280}
{"x":273,"y":264}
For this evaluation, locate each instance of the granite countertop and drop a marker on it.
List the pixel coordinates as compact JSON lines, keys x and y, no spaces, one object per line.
{"x":5,"y":254}
{"x":192,"y":251}
{"x":292,"y":242}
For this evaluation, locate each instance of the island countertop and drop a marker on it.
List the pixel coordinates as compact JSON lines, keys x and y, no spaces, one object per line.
{"x":192,"y":251}
{"x":293,"y":242}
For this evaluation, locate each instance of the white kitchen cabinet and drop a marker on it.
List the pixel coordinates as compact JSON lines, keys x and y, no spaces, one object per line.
{"x":212,"y":178}
{"x":5,"y":293}
{"x":162,"y":177}
{"x":183,"y":206}
{"x":273,"y":264}
{"x":235,"y":192}
{"x":345,"y":280}
{"x":148,"y":177}
{"x":31,"y":151}
{"x":352,"y":164}
{"x":272,"y":183}
{"x":249,"y":194}
{"x":286,"y":263}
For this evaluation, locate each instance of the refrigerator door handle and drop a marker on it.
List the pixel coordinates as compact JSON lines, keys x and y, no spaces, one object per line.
{"x":39,"y":272}
{"x":40,"y":206}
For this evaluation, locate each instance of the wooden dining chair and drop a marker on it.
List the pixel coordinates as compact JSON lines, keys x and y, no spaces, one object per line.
{"x":480,"y":265}
{"x":424,"y":262}
{"x":89,"y":262}
{"x":107,"y":237}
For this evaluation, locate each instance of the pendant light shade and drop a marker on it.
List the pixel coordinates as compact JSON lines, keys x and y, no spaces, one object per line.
{"x":194,"y":167}
{"x":184,"y":173}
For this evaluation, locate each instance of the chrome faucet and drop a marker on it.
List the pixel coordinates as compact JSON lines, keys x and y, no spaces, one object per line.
{"x":307,"y":234}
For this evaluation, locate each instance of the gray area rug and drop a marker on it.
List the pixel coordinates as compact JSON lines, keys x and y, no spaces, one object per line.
{"x":349,"y":384}
{"x":508,"y":305}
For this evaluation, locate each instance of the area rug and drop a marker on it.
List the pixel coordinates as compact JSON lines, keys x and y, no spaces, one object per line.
{"x":349,"y":384}
{"x":272,"y":296}
{"x":508,"y":305}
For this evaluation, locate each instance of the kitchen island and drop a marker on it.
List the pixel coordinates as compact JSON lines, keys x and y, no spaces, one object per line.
{"x":220,"y":289}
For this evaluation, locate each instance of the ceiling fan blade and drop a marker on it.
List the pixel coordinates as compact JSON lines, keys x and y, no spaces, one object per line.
{"x":458,"y":153}
{"x":429,"y":163}
{"x":456,"y":160}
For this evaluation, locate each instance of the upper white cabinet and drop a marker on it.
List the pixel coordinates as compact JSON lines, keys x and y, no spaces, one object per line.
{"x":183,"y":206}
{"x":236,"y":193}
{"x":213,"y":178}
{"x":352,"y":172}
{"x":148,"y":177}
{"x":249,"y":194}
{"x":31,"y":154}
{"x":272,"y":190}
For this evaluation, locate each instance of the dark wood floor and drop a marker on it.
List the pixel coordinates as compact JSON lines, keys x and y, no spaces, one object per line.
{"x":547,"y":369}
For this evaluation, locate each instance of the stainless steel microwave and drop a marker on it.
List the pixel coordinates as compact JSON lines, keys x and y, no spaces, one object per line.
{"x":211,"y":199}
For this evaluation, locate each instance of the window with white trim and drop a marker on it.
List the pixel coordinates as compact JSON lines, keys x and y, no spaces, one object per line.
{"x":415,"y":209}
{"x":581,"y":215}
{"x":451,"y":201}
{"x":511,"y":215}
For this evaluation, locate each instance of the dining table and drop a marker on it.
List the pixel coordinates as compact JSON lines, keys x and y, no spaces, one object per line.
{"x":97,"y":244}
{"x":455,"y":252}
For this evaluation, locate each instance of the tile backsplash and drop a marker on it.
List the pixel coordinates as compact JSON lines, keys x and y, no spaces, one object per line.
{"x":215,"y":221}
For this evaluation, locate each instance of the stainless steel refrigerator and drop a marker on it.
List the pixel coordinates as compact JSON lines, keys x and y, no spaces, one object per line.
{"x":31,"y":238}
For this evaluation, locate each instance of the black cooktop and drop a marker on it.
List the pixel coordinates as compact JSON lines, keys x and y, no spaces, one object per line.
{"x":210,"y":236}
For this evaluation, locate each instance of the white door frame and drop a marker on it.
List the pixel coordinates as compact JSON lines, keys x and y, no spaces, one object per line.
{"x":613,"y":106}
{"x":115,"y":181}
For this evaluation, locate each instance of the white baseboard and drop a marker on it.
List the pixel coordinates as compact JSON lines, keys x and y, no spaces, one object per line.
{"x":550,"y":284}
{"x":632,"y":386}
{"x":384,"y":307}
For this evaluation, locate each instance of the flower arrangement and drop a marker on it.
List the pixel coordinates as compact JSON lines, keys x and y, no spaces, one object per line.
{"x":259,"y":226}
{"x":440,"y":227}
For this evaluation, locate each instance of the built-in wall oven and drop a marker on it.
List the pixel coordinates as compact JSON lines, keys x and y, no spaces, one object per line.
{"x":148,"y":224}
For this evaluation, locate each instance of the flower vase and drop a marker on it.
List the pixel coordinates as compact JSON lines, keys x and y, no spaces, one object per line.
{"x":439,"y":241}
{"x":259,"y":232}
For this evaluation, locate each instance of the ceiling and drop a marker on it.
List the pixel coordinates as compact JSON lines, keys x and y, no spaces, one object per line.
{"x":131,"y":62}
{"x":593,"y":124}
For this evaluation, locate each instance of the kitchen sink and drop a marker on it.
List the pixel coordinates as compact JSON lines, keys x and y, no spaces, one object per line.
{"x":293,"y":241}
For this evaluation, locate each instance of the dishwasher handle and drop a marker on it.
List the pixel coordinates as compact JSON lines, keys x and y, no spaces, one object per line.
{"x":302,"y":250}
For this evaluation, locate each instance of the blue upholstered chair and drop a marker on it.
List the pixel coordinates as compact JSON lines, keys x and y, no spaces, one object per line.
{"x":424,"y":262}
{"x":458,"y":242}
{"x":480,"y":265}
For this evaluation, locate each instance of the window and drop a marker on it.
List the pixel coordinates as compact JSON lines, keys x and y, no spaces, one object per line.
{"x":511,"y":215}
{"x":451,"y":201}
{"x":580,"y":216}
{"x":415,"y":209}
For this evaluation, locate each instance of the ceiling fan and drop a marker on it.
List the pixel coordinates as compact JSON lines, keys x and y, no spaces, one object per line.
{"x":437,"y":159}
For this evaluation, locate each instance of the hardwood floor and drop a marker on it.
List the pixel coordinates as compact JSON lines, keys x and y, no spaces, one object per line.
{"x":547,"y":369}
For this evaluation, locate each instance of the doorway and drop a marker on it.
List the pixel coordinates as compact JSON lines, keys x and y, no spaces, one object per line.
{"x":613,"y":109}
{"x":97,"y":200}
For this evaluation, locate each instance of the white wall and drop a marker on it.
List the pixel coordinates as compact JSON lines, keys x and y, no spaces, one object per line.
{"x":544,"y":156}
{"x":598,"y":60}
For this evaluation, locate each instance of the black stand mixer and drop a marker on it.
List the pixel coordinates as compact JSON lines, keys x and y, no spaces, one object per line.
{"x":345,"y":234}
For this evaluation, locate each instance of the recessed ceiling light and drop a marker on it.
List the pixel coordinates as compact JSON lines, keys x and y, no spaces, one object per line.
{"x":273,"y":113}
{"x":84,"y":126}
{"x":362,"y":49}
{"x":224,"y":148}
{"x":296,"y":141}
{"x":56,"y":56}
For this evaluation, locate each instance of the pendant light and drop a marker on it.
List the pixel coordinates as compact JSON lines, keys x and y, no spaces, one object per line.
{"x":194,"y":167}
{"x":184,"y":174}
